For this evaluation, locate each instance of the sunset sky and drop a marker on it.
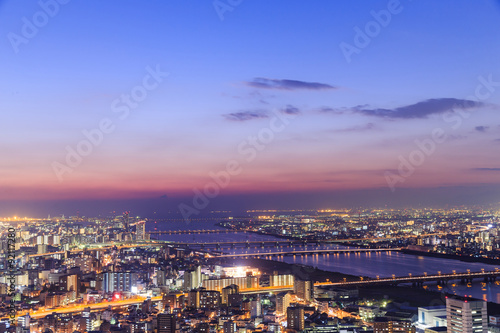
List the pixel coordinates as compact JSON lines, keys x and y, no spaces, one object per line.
{"x":336,"y":100}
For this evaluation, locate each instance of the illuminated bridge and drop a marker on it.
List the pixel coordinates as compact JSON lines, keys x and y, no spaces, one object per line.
{"x":417,"y":279}
{"x":304,"y":252}
{"x":268,"y":243}
{"x":194,"y":232}
{"x":288,"y":242}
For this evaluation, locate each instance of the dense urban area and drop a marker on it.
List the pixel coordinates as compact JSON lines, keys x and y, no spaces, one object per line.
{"x":80,"y":274}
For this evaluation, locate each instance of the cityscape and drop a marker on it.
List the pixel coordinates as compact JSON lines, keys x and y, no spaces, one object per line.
{"x":246,"y":166}
{"x":121,"y":274}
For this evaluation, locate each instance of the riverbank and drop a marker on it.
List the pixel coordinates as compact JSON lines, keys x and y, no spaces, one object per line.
{"x":303,"y":272}
{"x":488,"y":261}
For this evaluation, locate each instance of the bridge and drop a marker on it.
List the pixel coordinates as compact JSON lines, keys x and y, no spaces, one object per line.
{"x":193,"y":232}
{"x":417,"y":280}
{"x":102,"y":248}
{"x":269,"y":243}
{"x":303,"y":252}
{"x":290,"y":242}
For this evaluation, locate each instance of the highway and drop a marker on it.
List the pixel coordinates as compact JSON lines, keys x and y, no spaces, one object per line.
{"x":79,"y":308}
{"x":260,"y":290}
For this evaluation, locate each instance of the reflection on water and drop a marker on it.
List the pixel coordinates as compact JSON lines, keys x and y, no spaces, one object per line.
{"x":382,"y":264}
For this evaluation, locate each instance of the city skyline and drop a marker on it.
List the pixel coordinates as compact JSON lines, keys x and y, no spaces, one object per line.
{"x":309,"y":106}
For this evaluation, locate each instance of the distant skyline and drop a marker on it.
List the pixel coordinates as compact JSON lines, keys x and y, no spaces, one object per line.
{"x":306,"y":105}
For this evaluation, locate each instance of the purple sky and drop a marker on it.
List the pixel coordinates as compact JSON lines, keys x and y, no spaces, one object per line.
{"x":324,"y":104}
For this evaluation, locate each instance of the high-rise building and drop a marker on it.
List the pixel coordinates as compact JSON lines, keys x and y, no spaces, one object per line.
{"x":24,"y":321}
{"x":140,"y":230}
{"x":466,"y":315}
{"x":192,"y":279}
{"x":282,"y":303}
{"x":161,"y":278}
{"x":229,"y":290}
{"x":201,"y":298}
{"x":118,"y":281}
{"x":246,"y":282}
{"x":303,"y":289}
{"x":281,"y":280}
{"x":71,"y":283}
{"x":86,"y":316}
{"x":229,"y":327}
{"x":166,"y":323}
{"x":126,"y":222}
{"x":295,"y":318}
{"x":256,"y":308}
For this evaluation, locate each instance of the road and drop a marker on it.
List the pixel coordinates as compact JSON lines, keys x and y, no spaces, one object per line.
{"x":79,"y":308}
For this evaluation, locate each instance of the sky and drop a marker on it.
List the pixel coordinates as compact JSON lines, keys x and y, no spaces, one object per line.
{"x":225,"y":104}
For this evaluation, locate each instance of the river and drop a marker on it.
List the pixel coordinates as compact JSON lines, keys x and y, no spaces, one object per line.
{"x":382,"y":264}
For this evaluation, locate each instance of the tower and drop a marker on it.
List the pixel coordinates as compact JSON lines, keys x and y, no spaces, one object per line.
{"x":466,"y":315}
{"x":126,"y":222}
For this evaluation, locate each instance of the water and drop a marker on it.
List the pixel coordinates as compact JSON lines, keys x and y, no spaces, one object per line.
{"x":382,"y":264}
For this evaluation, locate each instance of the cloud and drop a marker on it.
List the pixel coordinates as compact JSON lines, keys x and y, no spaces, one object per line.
{"x":362,"y":128}
{"x":420,"y":110}
{"x":481,"y":128}
{"x":486,"y":169}
{"x":290,"y":109}
{"x":327,"y":109}
{"x":245,"y":115}
{"x":265,"y":83}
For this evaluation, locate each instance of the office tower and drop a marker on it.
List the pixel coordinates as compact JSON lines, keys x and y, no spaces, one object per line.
{"x":229,"y":290}
{"x":466,"y":315}
{"x":295,"y":318}
{"x":140,"y":230}
{"x":282,"y":303}
{"x":126,"y":222}
{"x":166,"y":323}
{"x":303,"y":289}
{"x":229,"y":327}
